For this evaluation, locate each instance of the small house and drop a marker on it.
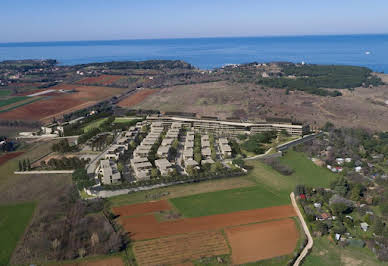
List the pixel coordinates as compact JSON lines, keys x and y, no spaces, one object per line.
{"x":364,"y":226}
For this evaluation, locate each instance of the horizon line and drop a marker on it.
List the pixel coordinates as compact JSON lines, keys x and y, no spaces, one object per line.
{"x":183,"y":38}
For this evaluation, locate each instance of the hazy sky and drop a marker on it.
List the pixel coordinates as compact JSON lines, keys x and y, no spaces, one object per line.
{"x":56,"y":20}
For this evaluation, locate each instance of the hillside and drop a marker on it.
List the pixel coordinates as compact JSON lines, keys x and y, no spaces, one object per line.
{"x":361,"y":107}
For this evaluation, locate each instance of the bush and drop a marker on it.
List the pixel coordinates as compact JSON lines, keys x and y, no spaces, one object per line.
{"x":277,"y":165}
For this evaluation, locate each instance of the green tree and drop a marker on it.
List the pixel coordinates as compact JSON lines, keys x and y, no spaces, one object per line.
{"x":20,"y":166}
{"x":28,"y":165}
{"x":216,"y":167}
{"x":24,"y":165}
{"x":154,"y":172}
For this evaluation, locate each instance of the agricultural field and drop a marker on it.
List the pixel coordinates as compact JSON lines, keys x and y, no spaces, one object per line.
{"x":137,"y":98}
{"x":180,"y":249}
{"x":8,"y":156}
{"x":262,"y":241}
{"x":103,"y":80}
{"x":14,"y":219}
{"x":4,"y":102}
{"x":5,"y":93}
{"x":66,"y":98}
{"x":238,"y":199}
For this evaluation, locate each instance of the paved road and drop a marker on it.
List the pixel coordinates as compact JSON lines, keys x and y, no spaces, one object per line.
{"x":310,"y":241}
{"x":93,"y":164}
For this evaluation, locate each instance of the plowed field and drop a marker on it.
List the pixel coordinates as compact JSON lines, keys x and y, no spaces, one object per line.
{"x":261,"y":241}
{"x":147,"y":227}
{"x":56,"y":106}
{"x":137,"y":98}
{"x":176,"y":250}
{"x":142,"y":208}
{"x":101,"y":80}
{"x":8,"y":156}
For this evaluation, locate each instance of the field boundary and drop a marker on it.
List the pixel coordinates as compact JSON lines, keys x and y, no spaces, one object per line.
{"x":43,"y":172}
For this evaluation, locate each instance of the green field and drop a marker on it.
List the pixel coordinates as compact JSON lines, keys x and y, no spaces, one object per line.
{"x":325,"y":252}
{"x":226,"y":201}
{"x":124,"y":119}
{"x":12,"y":100}
{"x":34,"y":99}
{"x":5,"y":93}
{"x":13,"y":221}
{"x":306,"y":172}
{"x":94,"y":124}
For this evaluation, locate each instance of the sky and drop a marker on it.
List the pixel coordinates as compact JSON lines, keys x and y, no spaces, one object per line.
{"x":71,"y":20}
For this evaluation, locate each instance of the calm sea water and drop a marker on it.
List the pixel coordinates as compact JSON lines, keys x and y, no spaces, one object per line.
{"x":207,"y":53}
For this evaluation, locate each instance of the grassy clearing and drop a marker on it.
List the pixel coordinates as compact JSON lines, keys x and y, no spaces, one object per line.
{"x":228,"y":201}
{"x":325,"y":252}
{"x":126,"y":119}
{"x":12,"y":100}
{"x":13,"y":221}
{"x":5,"y":93}
{"x":306,"y":172}
{"x":94,"y":124}
{"x":180,"y":191}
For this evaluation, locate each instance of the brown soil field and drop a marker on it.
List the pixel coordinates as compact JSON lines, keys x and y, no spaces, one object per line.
{"x":114,"y":261}
{"x":176,"y":250}
{"x":103,"y":80}
{"x":137,"y":98}
{"x":56,"y":106}
{"x":142,"y":208}
{"x":8,"y":156}
{"x":363,"y":107}
{"x":147,"y":227}
{"x":261,"y":241}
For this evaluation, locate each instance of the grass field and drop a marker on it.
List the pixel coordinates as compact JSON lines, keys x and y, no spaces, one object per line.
{"x":325,"y":252}
{"x":226,"y":201}
{"x":94,"y":124}
{"x":13,"y":221}
{"x":5,"y":93}
{"x":11,"y":100}
{"x":306,"y":172}
{"x":119,"y":120}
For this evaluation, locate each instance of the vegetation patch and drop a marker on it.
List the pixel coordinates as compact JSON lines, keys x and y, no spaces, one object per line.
{"x":12,"y":100}
{"x":13,"y":221}
{"x":236,"y":199}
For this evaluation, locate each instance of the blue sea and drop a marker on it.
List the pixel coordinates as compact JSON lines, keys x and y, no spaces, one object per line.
{"x":207,"y":53}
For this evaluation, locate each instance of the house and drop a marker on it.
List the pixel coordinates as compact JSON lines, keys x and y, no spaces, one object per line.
{"x":163,"y":151}
{"x":206,"y":152}
{"x":142,"y":170}
{"x":364,"y":226}
{"x":189,"y":144}
{"x":323,"y":216}
{"x":188,"y":154}
{"x":205,"y":144}
{"x":358,"y":169}
{"x":204,"y":138}
{"x":191,"y":162}
{"x":317,"y":205}
{"x":167,"y":142}
{"x":340,"y":161}
{"x":164,"y":166}
{"x":226,"y":150}
{"x":142,"y":151}
{"x":209,"y":161}
{"x":190,"y":137}
{"x":348,"y":160}
{"x":109,"y":173}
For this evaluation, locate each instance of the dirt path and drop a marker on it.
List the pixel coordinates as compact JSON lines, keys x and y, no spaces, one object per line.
{"x":310,"y":242}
